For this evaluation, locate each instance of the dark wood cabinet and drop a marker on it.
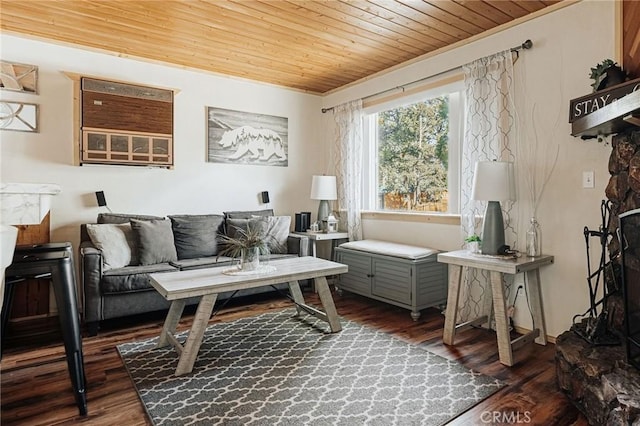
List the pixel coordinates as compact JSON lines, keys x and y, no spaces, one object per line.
{"x":125,"y":124}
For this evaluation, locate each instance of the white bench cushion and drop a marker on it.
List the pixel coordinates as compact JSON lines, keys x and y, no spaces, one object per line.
{"x":390,"y":249}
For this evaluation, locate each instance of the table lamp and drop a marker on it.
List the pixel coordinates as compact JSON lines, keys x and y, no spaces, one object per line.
{"x":493,"y":181}
{"x":323,"y":188}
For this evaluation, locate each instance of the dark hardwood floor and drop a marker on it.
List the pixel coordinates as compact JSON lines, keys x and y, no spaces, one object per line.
{"x":35,"y":387}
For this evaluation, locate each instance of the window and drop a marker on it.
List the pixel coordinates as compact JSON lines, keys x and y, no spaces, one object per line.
{"x":413,"y":150}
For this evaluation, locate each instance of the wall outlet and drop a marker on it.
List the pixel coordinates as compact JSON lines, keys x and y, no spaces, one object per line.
{"x":588,"y":179}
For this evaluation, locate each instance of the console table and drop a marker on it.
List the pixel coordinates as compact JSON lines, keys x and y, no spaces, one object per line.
{"x":496,"y":267}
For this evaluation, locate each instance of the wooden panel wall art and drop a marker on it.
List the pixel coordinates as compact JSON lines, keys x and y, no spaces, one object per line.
{"x":18,"y":77}
{"x":18,"y":116}
{"x":236,"y":137}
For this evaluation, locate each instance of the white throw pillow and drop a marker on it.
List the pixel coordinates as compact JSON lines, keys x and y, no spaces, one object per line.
{"x":117,"y":243}
{"x":278,"y":233}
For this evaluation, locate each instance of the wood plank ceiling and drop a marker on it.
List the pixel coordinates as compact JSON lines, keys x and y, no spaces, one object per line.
{"x":309,"y":45}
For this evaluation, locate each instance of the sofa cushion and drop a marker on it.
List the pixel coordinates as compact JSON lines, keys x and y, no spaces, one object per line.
{"x":123,"y":218}
{"x":117,"y":243}
{"x":140,"y":269}
{"x":390,"y":249}
{"x":154,"y":239}
{"x":203,"y":262}
{"x":277,"y":233}
{"x":248,"y":214}
{"x":131,"y":278}
{"x":235,"y":226}
{"x":196,"y":235}
{"x":274,"y":229}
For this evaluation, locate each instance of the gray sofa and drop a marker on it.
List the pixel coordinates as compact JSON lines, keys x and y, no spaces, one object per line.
{"x":119,"y":252}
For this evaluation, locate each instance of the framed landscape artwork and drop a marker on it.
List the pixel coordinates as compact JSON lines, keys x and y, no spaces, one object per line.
{"x":236,"y":137}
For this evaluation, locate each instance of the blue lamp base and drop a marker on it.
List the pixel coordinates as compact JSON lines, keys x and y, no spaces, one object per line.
{"x":493,"y":229}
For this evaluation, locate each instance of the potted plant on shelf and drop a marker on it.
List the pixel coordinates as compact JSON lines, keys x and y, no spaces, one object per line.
{"x":247,"y":244}
{"x":473,"y":243}
{"x":606,"y":74}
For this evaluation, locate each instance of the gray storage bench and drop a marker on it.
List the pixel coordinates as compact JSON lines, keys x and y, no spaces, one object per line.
{"x":399,"y":274}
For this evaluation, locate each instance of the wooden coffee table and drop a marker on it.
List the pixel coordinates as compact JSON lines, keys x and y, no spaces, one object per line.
{"x":208,"y":283}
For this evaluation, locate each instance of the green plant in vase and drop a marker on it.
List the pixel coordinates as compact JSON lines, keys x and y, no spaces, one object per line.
{"x":247,"y":244}
{"x":606,"y":74}
{"x":473,"y":243}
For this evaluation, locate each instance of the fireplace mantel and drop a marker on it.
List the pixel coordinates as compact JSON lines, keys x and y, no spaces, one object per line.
{"x":25,"y":203}
{"x":612,"y":118}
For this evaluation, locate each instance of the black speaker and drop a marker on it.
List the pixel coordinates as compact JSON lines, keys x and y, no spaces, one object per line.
{"x":265,"y":196}
{"x":303,"y":220}
{"x":102,"y":201}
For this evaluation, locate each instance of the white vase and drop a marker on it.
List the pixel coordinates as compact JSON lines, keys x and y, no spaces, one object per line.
{"x":250,"y":259}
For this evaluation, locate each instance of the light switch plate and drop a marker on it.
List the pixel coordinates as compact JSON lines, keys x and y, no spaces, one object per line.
{"x":588,"y":179}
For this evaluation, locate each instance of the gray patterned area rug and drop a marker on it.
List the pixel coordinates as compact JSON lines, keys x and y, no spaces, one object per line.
{"x":278,"y":369}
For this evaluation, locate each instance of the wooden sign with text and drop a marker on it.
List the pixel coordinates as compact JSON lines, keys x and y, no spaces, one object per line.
{"x":585,"y":105}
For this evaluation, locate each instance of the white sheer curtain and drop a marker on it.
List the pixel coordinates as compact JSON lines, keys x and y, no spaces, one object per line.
{"x":490,"y":130}
{"x":348,"y":163}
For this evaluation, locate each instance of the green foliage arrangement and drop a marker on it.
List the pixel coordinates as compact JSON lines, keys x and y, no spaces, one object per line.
{"x":473,"y":239}
{"x":600,"y":72}
{"x":251,"y":237}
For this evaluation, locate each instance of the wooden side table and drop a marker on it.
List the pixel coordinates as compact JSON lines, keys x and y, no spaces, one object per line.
{"x":321,"y":236}
{"x":496,"y":267}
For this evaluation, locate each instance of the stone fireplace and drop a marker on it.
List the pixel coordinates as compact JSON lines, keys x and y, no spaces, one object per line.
{"x":599,"y":380}
{"x":624,"y":191}
{"x":630,"y":248}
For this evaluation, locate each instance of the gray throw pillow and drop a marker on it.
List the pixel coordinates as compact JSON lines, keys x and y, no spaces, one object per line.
{"x":154,"y":239}
{"x":123,"y":217}
{"x":243,"y":214}
{"x":196,"y":235}
{"x":116,"y":242}
{"x":248,"y":214}
{"x":274,"y":230}
{"x":278,"y":233}
{"x":234,"y":225}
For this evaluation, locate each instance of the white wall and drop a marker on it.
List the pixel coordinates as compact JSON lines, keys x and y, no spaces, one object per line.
{"x":193,"y":186}
{"x":567,"y":43}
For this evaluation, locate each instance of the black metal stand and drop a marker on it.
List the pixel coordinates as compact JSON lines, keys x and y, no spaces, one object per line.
{"x":54,"y":261}
{"x":594,"y":326}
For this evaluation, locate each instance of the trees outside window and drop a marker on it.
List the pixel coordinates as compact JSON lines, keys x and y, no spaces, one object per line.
{"x":413,"y":156}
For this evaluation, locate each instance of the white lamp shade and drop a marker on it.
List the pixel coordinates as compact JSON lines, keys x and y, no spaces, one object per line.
{"x":494,"y":181}
{"x":324,"y":188}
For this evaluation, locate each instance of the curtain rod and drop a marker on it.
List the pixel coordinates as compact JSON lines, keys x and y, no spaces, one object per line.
{"x":528,"y":44}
